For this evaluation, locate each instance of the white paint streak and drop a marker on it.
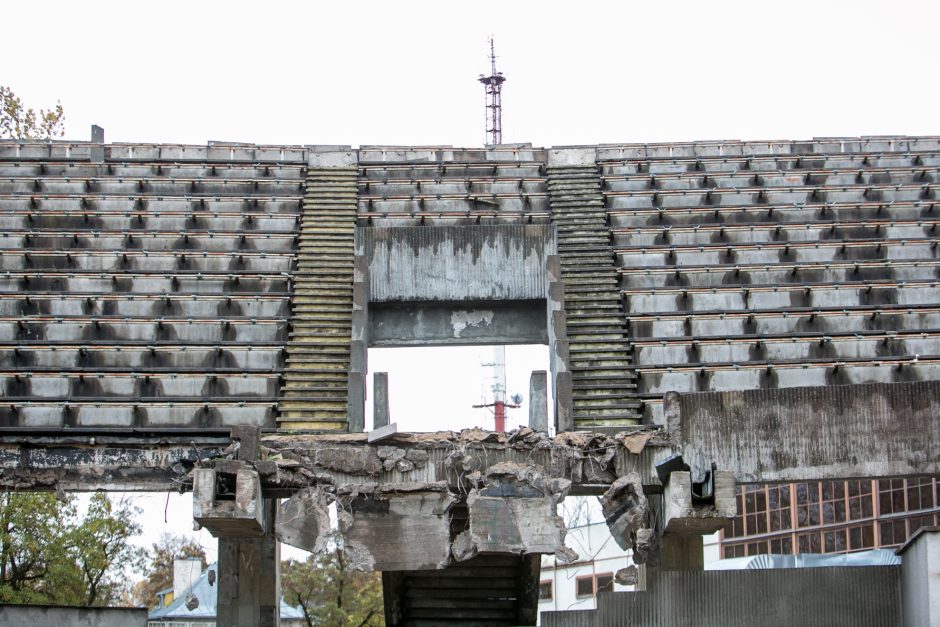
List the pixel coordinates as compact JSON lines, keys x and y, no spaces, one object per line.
{"x":462,"y":319}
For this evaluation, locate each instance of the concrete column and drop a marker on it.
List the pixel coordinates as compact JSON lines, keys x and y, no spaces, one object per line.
{"x":681,"y":553}
{"x":249,"y":578}
{"x":538,"y":400}
{"x":380,"y":417}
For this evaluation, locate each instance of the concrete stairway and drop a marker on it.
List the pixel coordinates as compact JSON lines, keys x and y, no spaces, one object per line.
{"x":487,"y":590}
{"x":314,"y":394}
{"x":604,"y":383}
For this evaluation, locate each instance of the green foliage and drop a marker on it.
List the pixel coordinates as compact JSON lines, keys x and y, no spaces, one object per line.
{"x":48,"y":555}
{"x":160,"y":566}
{"x":19,"y":122}
{"x":331,"y":594}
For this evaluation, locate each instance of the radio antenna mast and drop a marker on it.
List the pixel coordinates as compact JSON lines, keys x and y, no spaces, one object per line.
{"x":493,"y":86}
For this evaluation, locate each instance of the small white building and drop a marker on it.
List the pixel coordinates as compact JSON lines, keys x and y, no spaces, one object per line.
{"x":574,"y":586}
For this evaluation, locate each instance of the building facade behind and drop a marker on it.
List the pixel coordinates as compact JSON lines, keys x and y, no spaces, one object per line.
{"x":830,"y":516}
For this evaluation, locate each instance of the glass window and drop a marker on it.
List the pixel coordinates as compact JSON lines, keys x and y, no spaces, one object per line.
{"x":862,"y":537}
{"x":605,"y":583}
{"x":584,"y":587}
{"x":893,"y":533}
{"x":545,"y":591}
{"x":920,"y":493}
{"x":809,"y":542}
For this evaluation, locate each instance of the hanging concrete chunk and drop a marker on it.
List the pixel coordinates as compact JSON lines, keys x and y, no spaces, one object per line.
{"x":626,"y":511}
{"x":403,"y":531}
{"x":303,"y":520}
{"x":514,"y":511}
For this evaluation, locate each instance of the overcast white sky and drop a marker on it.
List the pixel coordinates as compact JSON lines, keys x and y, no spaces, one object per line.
{"x":405,"y":73}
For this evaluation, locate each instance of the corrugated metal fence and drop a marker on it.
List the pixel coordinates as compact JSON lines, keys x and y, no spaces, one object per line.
{"x":810,"y":597}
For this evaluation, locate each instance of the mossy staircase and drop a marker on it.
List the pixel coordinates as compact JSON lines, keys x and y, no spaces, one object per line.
{"x":602,"y":373}
{"x":314,"y":395}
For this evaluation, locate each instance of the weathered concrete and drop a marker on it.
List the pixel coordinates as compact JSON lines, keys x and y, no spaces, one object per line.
{"x":627,"y":513}
{"x":538,"y":400}
{"x":227,"y":508}
{"x":53,"y":616}
{"x":380,"y":416}
{"x":513,"y":510}
{"x":680,"y":552}
{"x":443,"y":263}
{"x":303,"y":520}
{"x":920,"y":578}
{"x":433,"y":324}
{"x":103,"y":462}
{"x":249,"y":577}
{"x":404,"y":531}
{"x":683,"y":516}
{"x":841,"y":431}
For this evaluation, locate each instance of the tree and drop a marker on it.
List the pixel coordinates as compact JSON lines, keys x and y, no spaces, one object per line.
{"x":329,"y":593}
{"x":160,"y":570}
{"x":48,"y":555}
{"x":19,"y":122}
{"x":103,"y":552}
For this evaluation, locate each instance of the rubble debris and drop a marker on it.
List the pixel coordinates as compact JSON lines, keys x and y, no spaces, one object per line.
{"x":303,"y":520}
{"x":629,"y":576}
{"x":683,"y":515}
{"x":626,"y":511}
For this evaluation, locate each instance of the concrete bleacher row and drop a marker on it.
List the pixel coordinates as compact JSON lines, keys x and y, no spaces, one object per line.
{"x":510,"y":189}
{"x":781,"y":179}
{"x":814,"y":265}
{"x":148,"y":290}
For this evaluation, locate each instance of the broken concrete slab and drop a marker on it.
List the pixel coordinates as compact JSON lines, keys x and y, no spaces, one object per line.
{"x":303,"y":520}
{"x":513,"y":510}
{"x":626,"y":511}
{"x":387,"y":532}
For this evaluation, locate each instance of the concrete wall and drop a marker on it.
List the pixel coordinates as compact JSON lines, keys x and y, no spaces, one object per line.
{"x":920,"y":578}
{"x":37,"y":616}
{"x":443,"y":263}
{"x":796,"y":434}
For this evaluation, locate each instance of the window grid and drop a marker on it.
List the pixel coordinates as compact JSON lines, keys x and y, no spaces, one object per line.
{"x":830,"y":516}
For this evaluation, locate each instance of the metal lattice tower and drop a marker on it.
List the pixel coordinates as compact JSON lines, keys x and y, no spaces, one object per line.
{"x":494,"y":108}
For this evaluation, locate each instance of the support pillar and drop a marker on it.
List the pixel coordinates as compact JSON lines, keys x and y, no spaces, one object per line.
{"x":249,"y":578}
{"x":538,"y":401}
{"x":380,"y":416}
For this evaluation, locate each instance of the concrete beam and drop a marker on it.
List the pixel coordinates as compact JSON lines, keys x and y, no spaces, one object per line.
{"x":799,"y":434}
{"x":462,"y":323}
{"x":104,"y":462}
